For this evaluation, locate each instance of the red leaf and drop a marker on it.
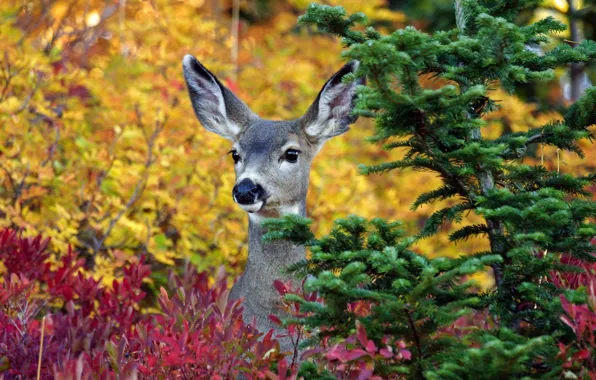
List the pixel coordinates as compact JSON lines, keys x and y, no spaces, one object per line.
{"x":282,"y":369}
{"x":268,"y":336}
{"x":275,"y":319}
{"x":280,"y":287}
{"x":582,"y":355}
{"x":232,"y":85}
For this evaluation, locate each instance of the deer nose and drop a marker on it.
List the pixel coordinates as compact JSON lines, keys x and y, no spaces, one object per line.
{"x":246,"y":192}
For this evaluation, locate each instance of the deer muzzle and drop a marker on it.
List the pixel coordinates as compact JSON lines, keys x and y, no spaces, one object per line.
{"x":249,"y":195}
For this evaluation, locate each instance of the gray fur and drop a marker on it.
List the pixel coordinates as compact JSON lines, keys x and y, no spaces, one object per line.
{"x":261,"y":144}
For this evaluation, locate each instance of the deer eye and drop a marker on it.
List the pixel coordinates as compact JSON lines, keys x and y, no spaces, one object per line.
{"x":291,"y":155}
{"x":235,"y":155}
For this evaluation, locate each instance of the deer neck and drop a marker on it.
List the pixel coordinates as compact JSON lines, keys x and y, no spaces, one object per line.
{"x":266,"y":260}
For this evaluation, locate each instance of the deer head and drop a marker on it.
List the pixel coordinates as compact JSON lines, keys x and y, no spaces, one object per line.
{"x":272,"y":159}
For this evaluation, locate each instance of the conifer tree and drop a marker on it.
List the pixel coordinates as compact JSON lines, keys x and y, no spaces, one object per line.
{"x":531,"y":215}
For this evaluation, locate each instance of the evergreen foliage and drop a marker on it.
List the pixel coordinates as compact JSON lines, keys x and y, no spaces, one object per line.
{"x":531,"y":215}
{"x":369,"y":262}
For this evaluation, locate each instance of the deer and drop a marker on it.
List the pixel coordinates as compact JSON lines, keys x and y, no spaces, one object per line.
{"x":272,"y":162}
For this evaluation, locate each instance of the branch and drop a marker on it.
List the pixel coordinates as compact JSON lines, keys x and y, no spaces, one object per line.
{"x":10,"y":178}
{"x":485,"y":177}
{"x":576,"y":69}
{"x":10,"y":74}
{"x":27,"y":100}
{"x":54,"y":145}
{"x":417,"y":341}
{"x":16,"y":189}
{"x":58,"y":32}
{"x":140,"y":185}
{"x":460,"y":15}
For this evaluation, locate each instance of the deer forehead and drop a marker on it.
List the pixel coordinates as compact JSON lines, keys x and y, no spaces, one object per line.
{"x":267,"y":137}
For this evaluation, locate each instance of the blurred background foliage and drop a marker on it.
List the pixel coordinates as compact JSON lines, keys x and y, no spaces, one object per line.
{"x":100,"y":149}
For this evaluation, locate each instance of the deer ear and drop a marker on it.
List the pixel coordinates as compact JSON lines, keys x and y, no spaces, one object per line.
{"x":216,"y":107}
{"x":330,"y":114}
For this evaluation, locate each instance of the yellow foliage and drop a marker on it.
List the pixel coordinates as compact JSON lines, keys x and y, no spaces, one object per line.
{"x":100,"y":149}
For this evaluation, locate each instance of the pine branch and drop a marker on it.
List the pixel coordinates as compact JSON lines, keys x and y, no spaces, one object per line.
{"x":468,"y":232}
{"x":441,"y":193}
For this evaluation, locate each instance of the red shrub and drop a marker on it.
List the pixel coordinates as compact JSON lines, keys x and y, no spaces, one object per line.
{"x":27,"y":257}
{"x":94,"y":331}
{"x":357,"y":357}
{"x":91,"y":329}
{"x":353,"y":357}
{"x":574,"y":280}
{"x":579,"y":356}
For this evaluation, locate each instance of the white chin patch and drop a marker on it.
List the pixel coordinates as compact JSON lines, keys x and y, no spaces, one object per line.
{"x":290,"y":209}
{"x":253,"y":207}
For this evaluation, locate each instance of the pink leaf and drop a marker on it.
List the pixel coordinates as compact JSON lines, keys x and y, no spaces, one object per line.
{"x":365,"y":374}
{"x":361,"y":334}
{"x":405,"y":354}
{"x":348,"y":356}
{"x":334,"y":353}
{"x":308,"y":353}
{"x":386,"y":353}
{"x":370,"y":347}
{"x":568,"y":322}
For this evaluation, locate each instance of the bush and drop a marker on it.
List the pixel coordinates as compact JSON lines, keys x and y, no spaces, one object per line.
{"x":101,"y":331}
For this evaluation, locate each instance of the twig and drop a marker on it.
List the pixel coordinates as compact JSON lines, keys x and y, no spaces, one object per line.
{"x":10,"y":179}
{"x":295,"y":356}
{"x":416,"y":340}
{"x":58,"y":32}
{"x":52,"y":148}
{"x":121,"y":18}
{"x":576,"y":70}
{"x":234,"y":31}
{"x":105,"y":173}
{"x":43,"y":327}
{"x":10,"y":74}
{"x":19,"y":190}
{"x":460,"y":16}
{"x":27,"y":100}
{"x":17,"y":327}
{"x":28,"y":24}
